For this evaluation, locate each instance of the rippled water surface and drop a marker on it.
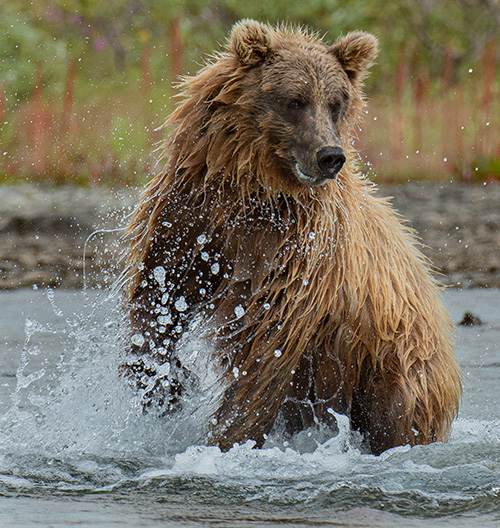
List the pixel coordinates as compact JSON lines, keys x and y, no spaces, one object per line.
{"x":75,"y":448}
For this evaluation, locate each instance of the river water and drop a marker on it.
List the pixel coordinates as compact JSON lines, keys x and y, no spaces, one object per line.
{"x":75,"y":448}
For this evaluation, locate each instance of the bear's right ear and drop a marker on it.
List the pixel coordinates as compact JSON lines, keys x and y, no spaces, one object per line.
{"x":251,"y":42}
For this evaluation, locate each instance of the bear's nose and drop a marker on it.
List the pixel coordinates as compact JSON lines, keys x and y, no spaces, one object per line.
{"x":330,"y":160}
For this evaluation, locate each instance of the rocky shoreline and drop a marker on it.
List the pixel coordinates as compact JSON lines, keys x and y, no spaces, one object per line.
{"x":49,"y":235}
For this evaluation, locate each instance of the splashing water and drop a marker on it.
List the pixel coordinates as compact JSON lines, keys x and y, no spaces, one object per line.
{"x":70,"y":427}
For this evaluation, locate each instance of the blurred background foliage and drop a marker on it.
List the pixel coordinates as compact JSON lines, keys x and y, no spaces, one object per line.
{"x":84,"y":84}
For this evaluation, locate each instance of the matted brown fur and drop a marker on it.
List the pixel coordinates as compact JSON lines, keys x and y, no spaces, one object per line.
{"x":318,"y":301}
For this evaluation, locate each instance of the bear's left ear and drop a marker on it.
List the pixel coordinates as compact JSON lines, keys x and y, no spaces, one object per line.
{"x":251,"y":42}
{"x":356,"y":52}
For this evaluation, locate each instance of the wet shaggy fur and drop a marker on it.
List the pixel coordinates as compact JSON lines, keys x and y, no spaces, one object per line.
{"x":310,"y":292}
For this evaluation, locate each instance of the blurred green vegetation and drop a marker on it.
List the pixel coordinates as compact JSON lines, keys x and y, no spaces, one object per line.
{"x":85,"y":83}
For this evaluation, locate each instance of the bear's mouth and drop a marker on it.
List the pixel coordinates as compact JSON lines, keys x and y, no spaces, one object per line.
{"x":305,"y":178}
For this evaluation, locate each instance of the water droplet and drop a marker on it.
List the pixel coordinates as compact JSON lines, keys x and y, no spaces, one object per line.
{"x":138,"y":339}
{"x":267,"y":306}
{"x":201,"y":239}
{"x":239,"y":311}
{"x":215,"y":268}
{"x":165,"y":320}
{"x":159,"y":275}
{"x":181,"y":304}
{"x":277,"y":353}
{"x":236,"y":372}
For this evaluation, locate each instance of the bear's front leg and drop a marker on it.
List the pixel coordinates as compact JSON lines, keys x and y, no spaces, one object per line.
{"x":252,"y":400}
{"x":151,"y":360}
{"x":383,"y":410}
{"x":404,"y":394}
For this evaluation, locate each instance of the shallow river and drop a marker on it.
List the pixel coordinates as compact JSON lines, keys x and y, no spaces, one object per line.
{"x":75,"y":448}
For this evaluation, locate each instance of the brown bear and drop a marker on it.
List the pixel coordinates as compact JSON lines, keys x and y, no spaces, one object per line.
{"x":262,"y":230}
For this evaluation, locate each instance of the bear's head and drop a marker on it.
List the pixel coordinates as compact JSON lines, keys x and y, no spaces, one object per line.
{"x":273,"y":113}
{"x":302,"y":96}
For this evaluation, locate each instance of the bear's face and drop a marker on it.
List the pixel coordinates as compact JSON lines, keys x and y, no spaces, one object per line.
{"x":304,"y":105}
{"x":305,"y":95}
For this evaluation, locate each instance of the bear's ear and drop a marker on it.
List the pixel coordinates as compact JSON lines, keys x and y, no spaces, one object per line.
{"x":356,"y":52}
{"x":251,"y":42}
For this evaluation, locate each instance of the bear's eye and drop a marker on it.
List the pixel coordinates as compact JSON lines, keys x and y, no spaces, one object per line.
{"x":296,"y":104}
{"x":336,"y":110}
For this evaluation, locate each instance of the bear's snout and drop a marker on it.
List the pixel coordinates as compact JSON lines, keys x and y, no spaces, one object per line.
{"x":330,"y":161}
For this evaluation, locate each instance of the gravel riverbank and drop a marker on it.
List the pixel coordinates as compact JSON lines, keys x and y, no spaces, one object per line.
{"x":43,"y":232}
